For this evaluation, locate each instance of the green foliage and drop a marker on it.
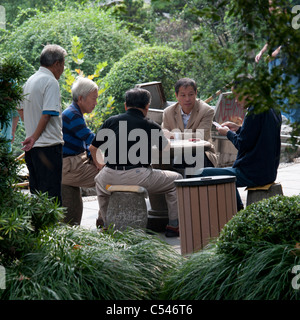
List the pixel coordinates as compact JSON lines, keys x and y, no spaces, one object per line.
{"x":22,"y":217}
{"x":252,"y":259}
{"x":254,"y":26}
{"x":263,"y":273}
{"x":93,"y":119}
{"x":101,"y":36}
{"x":8,"y":168}
{"x":275,"y":220}
{"x":76,"y":263}
{"x":145,"y":65}
{"x":11,"y":93}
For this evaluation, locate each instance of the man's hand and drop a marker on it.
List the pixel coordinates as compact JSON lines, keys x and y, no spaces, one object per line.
{"x":231,"y":125}
{"x":223,"y":130}
{"x":28,"y":143}
{"x":97,"y":157}
{"x":226,"y":126}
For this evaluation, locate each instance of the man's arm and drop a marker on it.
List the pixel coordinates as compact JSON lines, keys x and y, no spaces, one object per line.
{"x":97,"y":157}
{"x":21,"y":114}
{"x":14,"y":127}
{"x":30,"y":141}
{"x":261,"y":52}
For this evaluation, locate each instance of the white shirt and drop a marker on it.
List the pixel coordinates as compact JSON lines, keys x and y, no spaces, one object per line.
{"x":42,"y":96}
{"x":185,"y":117}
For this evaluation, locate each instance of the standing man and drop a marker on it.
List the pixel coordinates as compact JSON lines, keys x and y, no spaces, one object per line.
{"x":190,"y":114}
{"x":79,"y":169}
{"x":41,"y":113}
{"x":128,"y":165}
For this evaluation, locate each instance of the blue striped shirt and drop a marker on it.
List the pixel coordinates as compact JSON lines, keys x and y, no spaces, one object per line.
{"x":77,"y":136}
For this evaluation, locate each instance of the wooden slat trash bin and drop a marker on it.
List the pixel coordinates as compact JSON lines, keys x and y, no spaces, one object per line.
{"x":205,"y":205}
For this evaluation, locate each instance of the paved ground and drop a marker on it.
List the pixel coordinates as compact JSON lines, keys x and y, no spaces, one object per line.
{"x":288,"y":175}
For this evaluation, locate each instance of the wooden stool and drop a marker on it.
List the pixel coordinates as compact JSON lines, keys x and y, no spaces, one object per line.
{"x":256,"y":194}
{"x":127,"y":207}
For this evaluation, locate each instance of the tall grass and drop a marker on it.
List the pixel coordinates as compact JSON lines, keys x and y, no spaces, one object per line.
{"x":75,"y":263}
{"x":262,"y":274}
{"x":252,"y":259}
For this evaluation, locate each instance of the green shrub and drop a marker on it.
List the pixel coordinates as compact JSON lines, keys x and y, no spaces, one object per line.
{"x":76,"y":263}
{"x":263,"y":273}
{"x":102,"y":37}
{"x":275,"y":220}
{"x":22,"y":217}
{"x":145,"y":65}
{"x":252,"y":259}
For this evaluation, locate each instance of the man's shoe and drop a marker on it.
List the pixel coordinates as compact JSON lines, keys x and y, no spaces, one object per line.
{"x":172,"y":231}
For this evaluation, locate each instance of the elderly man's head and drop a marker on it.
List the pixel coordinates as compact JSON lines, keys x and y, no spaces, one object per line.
{"x":53,"y":58}
{"x":186,"y":94}
{"x":85,"y":94}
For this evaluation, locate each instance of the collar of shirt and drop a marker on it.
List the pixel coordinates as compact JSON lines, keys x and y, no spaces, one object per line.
{"x":46,"y":70}
{"x":136,"y":112}
{"x":76,"y":106}
{"x":185,"y":117}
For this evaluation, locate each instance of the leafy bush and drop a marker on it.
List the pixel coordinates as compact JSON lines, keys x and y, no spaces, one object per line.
{"x":275,"y":220}
{"x":145,"y":65}
{"x":22,"y":217}
{"x":76,"y":263}
{"x":102,"y":37}
{"x":252,"y":259}
{"x":263,"y":273}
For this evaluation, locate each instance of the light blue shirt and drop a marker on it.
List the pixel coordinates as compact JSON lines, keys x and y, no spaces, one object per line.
{"x":185,"y":117}
{"x":6,"y":130}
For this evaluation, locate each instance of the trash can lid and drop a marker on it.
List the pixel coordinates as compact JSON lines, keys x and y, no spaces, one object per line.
{"x":204,"y":181}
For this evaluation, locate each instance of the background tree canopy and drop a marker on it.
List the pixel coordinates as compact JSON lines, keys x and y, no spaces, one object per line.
{"x":145,"y":65}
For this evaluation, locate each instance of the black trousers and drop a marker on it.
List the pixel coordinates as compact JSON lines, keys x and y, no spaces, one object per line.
{"x":45,"y":170}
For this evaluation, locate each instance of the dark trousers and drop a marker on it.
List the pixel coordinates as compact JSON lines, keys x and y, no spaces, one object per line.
{"x":241,"y":179}
{"x":45,"y":170}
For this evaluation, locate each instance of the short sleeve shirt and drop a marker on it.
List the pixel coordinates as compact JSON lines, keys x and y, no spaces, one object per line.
{"x":42,"y":96}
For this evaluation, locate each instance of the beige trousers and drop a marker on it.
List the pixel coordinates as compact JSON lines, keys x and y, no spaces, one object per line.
{"x":79,"y":171}
{"x":155,"y":181}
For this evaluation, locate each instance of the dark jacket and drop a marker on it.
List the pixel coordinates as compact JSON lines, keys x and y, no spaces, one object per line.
{"x":258,"y":144}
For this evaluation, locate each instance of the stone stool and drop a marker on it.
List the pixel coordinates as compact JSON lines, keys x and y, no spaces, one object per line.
{"x":127,"y":207}
{"x":71,"y":199}
{"x":256,"y":194}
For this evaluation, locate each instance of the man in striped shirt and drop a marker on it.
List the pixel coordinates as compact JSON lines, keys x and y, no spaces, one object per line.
{"x":79,"y":169}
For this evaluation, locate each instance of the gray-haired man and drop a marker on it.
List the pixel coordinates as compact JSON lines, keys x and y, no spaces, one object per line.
{"x":129,"y":166}
{"x":41,"y":113}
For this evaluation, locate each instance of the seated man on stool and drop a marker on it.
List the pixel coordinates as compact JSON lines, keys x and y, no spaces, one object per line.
{"x":258,"y":145}
{"x":128,"y":165}
{"x":79,"y":170}
{"x":190,"y":114}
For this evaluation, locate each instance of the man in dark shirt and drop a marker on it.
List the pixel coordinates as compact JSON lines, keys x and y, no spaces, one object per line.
{"x":127,"y":141}
{"x":258,"y":144}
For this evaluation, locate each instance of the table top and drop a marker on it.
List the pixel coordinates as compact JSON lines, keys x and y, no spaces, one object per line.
{"x":190,"y":143}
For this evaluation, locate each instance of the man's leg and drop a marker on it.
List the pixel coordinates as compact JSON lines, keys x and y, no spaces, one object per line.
{"x":45,"y":164}
{"x":241,"y":180}
{"x":155,"y":181}
{"x":79,"y":171}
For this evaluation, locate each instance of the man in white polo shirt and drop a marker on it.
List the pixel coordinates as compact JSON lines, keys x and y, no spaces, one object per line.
{"x":41,"y":113}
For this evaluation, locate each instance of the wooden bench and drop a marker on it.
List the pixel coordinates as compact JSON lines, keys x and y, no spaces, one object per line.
{"x":259,"y":193}
{"x":127,"y":207}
